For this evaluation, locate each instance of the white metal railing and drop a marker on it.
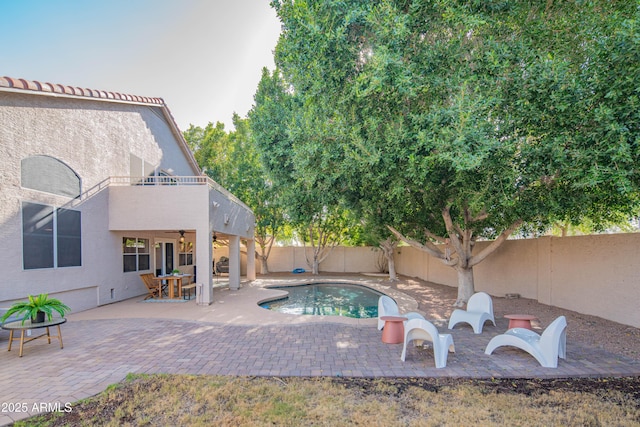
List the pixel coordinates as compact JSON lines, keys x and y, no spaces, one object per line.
{"x":175,"y":180}
{"x":157,"y":180}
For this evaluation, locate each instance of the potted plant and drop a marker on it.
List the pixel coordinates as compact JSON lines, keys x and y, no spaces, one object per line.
{"x":176,"y":272}
{"x":36,"y":308}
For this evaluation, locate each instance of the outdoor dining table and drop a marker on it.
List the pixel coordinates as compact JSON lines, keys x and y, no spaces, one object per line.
{"x":174,"y":281}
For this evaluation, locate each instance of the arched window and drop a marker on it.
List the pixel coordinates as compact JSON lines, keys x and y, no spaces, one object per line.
{"x":48,"y":174}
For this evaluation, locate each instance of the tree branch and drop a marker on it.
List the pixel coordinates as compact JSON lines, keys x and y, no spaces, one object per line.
{"x":270,"y":243}
{"x":494,"y":245}
{"x":427,"y":247}
{"x":467,"y":214}
{"x":434,"y":237}
{"x":454,"y":237}
{"x":481,"y":216}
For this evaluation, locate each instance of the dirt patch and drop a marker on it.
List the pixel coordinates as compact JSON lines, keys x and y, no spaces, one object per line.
{"x":592,"y":331}
{"x":602,"y":387}
{"x":132,"y":402}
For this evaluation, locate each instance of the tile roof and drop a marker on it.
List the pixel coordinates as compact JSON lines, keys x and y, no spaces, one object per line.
{"x":33,"y":85}
{"x":58,"y":89}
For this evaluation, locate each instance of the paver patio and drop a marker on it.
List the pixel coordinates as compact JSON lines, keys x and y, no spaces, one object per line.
{"x":236,"y":337}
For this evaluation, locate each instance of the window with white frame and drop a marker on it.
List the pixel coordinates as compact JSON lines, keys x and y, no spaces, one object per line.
{"x":185,"y":255}
{"x":135,"y":254}
{"x":50,"y":237}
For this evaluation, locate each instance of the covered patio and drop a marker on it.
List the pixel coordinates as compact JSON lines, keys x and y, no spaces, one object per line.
{"x":194,"y":208}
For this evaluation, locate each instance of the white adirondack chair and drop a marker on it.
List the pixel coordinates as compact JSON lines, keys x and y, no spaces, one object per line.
{"x":479,"y":310}
{"x":388,"y":307}
{"x":546,"y":348}
{"x":419,"y":330}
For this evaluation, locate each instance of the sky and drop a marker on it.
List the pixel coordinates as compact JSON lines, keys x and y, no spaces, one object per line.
{"x":203,"y":57}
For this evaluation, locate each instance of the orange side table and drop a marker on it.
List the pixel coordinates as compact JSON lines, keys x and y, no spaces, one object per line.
{"x":520,"y":320}
{"x":393,"y":331}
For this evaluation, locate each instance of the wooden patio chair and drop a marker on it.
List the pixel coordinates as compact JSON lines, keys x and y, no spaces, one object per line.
{"x":153,"y":285}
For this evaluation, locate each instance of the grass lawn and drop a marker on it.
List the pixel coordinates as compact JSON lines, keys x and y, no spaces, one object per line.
{"x":191,"y":400}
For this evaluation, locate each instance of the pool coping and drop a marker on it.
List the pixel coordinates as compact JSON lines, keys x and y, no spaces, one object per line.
{"x":241,"y":307}
{"x":405,"y":302}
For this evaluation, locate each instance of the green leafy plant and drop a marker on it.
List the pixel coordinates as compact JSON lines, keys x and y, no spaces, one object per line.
{"x":39,"y":303}
{"x":175,"y":271}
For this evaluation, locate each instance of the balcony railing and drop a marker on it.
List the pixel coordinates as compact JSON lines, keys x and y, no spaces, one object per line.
{"x":160,"y":180}
{"x":116,"y":181}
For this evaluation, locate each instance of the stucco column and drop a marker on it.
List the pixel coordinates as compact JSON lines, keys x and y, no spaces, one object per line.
{"x":234,"y":263}
{"x":204,"y":255}
{"x":251,"y":259}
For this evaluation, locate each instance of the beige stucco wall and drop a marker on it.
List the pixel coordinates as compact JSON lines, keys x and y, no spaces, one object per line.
{"x":228,"y":216}
{"x":340,"y":260}
{"x":96,"y":140}
{"x":596,"y":275}
{"x":165,"y":207}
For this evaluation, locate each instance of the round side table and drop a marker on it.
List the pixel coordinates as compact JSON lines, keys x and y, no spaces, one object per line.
{"x":393,"y":331}
{"x":520,"y":320}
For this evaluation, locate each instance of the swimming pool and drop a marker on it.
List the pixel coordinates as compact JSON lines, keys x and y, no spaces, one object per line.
{"x":327,"y":299}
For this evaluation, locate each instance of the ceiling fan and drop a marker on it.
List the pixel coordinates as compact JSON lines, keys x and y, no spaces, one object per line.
{"x":181,"y":232}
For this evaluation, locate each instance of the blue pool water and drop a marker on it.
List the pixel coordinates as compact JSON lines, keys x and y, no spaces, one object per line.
{"x":327,"y":299}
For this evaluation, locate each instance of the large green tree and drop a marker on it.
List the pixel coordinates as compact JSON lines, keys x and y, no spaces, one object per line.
{"x":293,"y":143}
{"x":465,"y":120}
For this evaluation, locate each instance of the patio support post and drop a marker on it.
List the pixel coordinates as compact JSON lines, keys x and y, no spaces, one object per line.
{"x":251,"y":259}
{"x":234,"y":262}
{"x":204,"y":255}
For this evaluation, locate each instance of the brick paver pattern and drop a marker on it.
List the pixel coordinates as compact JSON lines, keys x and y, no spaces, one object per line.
{"x":98,"y":353}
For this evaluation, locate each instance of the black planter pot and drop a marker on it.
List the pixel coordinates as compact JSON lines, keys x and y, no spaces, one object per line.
{"x":39,"y":318}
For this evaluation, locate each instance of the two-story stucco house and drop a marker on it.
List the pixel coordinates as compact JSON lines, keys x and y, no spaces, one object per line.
{"x":98,"y":187}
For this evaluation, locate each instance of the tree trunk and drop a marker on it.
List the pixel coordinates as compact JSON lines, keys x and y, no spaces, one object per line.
{"x":388,"y":247}
{"x":456,"y":251}
{"x":392,"y":269}
{"x":316,"y":266}
{"x":465,"y":285}
{"x":265,"y":245}
{"x":264,"y":268}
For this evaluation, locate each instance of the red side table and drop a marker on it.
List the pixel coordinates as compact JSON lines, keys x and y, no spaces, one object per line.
{"x":393,"y":331}
{"x":520,"y":320}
